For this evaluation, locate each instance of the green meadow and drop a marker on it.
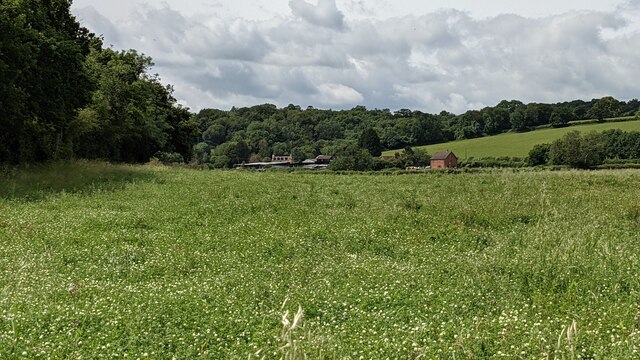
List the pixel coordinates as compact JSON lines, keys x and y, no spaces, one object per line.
{"x":110,"y":261}
{"x":518,"y":144}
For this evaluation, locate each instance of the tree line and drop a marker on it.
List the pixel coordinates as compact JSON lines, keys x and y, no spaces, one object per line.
{"x":252,"y":134}
{"x":64,"y":95}
{"x":588,"y":150}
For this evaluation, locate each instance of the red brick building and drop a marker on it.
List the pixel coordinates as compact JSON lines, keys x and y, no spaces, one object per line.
{"x":444,"y":160}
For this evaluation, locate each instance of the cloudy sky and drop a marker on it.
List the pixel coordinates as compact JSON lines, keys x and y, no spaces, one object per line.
{"x":425,"y":55}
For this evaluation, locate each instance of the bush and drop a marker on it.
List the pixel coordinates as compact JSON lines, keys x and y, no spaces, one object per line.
{"x":201,"y":153}
{"x":169,"y":158}
{"x":560,"y":117}
{"x":353,"y":158}
{"x":539,"y":155}
{"x":220,"y":161}
{"x":578,"y":151}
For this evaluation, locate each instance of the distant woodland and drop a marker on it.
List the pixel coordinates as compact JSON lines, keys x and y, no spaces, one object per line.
{"x":254,"y":133}
{"x":64,"y":95}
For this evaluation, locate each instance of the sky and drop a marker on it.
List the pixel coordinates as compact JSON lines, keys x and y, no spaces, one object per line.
{"x":434,"y":55}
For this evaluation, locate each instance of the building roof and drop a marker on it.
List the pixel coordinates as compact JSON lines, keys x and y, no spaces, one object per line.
{"x":315,"y":166}
{"x":324,"y":157}
{"x":256,"y":164}
{"x":442,"y":155}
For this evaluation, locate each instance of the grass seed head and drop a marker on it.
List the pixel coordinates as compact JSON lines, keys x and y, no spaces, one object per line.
{"x":297,"y":318}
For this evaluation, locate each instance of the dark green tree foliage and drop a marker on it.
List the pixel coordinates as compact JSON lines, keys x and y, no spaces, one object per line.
{"x":415,"y":157}
{"x":303,"y":152}
{"x":577,"y":150}
{"x":607,"y":107}
{"x":42,"y":78}
{"x":370,"y":141}
{"x":621,"y":144}
{"x":630,"y":108}
{"x":539,"y":155}
{"x":229,"y":154}
{"x":427,"y":128}
{"x":495,"y":120}
{"x":352,"y":157}
{"x":182,"y":131}
{"x":201,"y":153}
{"x":215,"y":134}
{"x":561,"y":116}
{"x":518,"y":120}
{"x":62,"y":95}
{"x":131,"y":115}
{"x":531,"y":115}
{"x":585,"y":151}
{"x":510,"y":106}
{"x":472,"y":123}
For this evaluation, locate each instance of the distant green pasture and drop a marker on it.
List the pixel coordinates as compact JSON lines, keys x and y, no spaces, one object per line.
{"x":518,"y":144}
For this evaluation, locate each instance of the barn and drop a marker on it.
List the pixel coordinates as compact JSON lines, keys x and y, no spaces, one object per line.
{"x":444,"y":160}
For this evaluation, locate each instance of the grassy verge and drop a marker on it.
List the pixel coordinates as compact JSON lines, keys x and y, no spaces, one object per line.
{"x":36,"y":182}
{"x":184,"y":263}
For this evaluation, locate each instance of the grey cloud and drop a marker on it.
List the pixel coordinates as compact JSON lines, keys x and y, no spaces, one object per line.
{"x":325,"y":13}
{"x":99,"y":24}
{"x":230,"y":77}
{"x":446,"y":60}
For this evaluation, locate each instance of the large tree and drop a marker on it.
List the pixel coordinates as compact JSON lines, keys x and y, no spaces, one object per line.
{"x":579,"y":151}
{"x":518,"y":120}
{"x":370,"y":141}
{"x":607,"y":107}
{"x":561,"y":116}
{"x":42,"y":78}
{"x":63,"y":95}
{"x":132,"y":115}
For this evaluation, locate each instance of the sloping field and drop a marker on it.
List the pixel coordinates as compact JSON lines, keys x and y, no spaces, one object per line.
{"x":150,"y":262}
{"x":518,"y":144}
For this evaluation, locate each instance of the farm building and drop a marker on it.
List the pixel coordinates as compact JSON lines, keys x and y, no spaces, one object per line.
{"x":277,"y":158}
{"x":286,"y":161}
{"x":264,"y":165}
{"x":444,"y":160}
{"x":323,"y":159}
{"x":320,"y":162}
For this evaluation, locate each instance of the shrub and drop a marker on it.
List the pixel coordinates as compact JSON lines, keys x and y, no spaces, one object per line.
{"x":353,"y":158}
{"x":169,"y":158}
{"x":539,"y":155}
{"x":578,"y":151}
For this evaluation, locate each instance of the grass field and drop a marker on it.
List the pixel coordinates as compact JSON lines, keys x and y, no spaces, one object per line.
{"x":518,"y":144}
{"x":106,"y":261}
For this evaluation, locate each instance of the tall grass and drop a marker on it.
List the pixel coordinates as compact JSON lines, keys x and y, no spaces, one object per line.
{"x":163,"y":263}
{"x":33,"y":182}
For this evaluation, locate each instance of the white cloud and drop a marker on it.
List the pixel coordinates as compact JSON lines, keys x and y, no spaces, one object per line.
{"x":338,"y":94}
{"x":325,"y":13}
{"x":443,"y":60}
